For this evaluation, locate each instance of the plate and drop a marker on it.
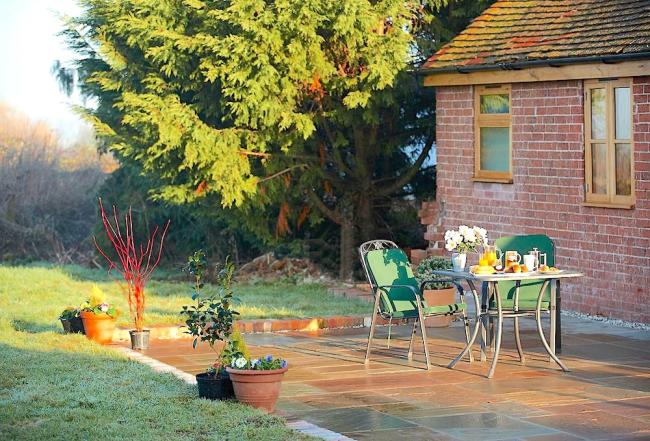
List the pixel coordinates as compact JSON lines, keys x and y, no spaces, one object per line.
{"x":551,"y":272}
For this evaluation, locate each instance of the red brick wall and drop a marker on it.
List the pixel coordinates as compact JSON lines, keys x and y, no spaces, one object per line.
{"x":610,"y":246}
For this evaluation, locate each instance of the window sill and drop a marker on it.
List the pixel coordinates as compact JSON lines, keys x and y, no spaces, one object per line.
{"x":493,"y":180}
{"x":608,"y":205}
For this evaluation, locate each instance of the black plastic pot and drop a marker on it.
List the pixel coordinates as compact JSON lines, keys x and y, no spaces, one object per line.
{"x":77,"y":325}
{"x":139,"y":339}
{"x":66,"y":325}
{"x":215,"y":388}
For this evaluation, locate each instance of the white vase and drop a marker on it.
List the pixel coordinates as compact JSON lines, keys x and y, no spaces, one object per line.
{"x":459,"y":260}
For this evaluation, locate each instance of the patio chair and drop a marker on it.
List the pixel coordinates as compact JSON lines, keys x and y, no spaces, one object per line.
{"x":520,"y":299}
{"x":397,"y":294}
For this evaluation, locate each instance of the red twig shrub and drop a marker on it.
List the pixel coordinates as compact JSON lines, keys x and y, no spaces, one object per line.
{"x":136,"y":262}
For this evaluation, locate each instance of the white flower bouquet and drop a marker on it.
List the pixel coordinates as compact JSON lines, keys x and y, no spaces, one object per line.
{"x":465,"y":239}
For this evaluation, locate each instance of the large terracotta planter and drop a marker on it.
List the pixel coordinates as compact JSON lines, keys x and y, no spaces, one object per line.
{"x":435,"y":297}
{"x":259,"y":389}
{"x":98,"y":327}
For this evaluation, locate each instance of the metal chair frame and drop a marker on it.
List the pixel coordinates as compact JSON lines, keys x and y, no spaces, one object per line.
{"x":381,"y":244}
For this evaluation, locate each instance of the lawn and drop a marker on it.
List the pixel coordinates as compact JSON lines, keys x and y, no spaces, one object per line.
{"x":65,"y":387}
{"x":33,"y":296}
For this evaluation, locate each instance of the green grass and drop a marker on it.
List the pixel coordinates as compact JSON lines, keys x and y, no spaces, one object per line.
{"x":33,"y":297}
{"x":65,"y":387}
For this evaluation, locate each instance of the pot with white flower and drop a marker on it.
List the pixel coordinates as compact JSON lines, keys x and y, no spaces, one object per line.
{"x":257,"y":381}
{"x":98,"y":317}
{"x":462,"y":241}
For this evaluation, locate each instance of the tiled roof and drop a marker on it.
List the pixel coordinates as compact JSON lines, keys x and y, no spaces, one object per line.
{"x":534,"y":30}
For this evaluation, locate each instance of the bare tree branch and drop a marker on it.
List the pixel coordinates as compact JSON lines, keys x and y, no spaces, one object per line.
{"x":409,"y":174}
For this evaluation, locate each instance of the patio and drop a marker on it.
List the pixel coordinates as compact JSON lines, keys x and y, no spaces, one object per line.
{"x":606,"y":396}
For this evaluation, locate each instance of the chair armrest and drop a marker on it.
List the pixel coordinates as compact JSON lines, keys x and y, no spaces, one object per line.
{"x":409,"y":287}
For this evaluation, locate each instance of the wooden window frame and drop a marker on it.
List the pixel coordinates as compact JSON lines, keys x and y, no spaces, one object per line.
{"x":611,"y":199}
{"x":491,"y":120}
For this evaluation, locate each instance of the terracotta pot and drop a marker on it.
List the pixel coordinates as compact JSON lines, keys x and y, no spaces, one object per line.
{"x":435,"y":297}
{"x":98,"y":327}
{"x":259,"y":389}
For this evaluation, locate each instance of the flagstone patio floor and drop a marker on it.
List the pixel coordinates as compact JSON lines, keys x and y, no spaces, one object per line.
{"x":606,"y":396}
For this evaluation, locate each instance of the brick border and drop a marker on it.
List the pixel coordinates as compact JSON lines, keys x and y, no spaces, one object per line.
{"x":173,"y":332}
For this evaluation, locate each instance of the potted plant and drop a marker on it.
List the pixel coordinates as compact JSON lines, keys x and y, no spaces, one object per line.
{"x":98,"y":317}
{"x":257,"y":381}
{"x":136,"y":264}
{"x":436,"y":293}
{"x":460,"y":241}
{"x":71,"y":320}
{"x":211,"y":320}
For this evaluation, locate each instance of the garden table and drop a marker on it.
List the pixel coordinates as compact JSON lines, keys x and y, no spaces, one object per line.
{"x":491,"y":284}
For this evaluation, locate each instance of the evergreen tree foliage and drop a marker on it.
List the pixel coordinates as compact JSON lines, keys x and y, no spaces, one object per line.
{"x":297,"y":112}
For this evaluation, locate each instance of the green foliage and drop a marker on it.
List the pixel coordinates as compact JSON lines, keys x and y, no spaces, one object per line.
{"x":424,"y":271}
{"x":307,"y":109}
{"x":266,"y":363}
{"x":69,"y":313}
{"x":211,"y":319}
{"x":235,"y":348}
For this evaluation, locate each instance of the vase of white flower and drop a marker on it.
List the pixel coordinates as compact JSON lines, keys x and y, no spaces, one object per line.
{"x":462,"y":241}
{"x":459,"y":261}
{"x":257,"y":381}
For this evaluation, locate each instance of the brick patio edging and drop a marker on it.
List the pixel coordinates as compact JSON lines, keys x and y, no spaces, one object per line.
{"x":173,"y":332}
{"x":164,"y":368}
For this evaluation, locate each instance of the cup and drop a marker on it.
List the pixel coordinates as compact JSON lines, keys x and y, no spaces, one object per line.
{"x":529,"y":262}
{"x":512,"y":257}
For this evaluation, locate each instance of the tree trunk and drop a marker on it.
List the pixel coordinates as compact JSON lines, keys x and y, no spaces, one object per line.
{"x":365,"y":218}
{"x":347,"y":243}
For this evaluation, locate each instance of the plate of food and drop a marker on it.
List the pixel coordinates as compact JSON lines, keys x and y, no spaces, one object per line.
{"x":545,"y":269}
{"x":482,"y":270}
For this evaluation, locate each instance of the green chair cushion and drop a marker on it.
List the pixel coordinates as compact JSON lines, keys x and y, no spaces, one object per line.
{"x":389,"y":267}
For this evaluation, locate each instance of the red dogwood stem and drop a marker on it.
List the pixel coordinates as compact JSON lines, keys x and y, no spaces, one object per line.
{"x":135,"y":263}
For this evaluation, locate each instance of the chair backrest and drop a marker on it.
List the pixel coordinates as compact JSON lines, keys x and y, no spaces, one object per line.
{"x":528,"y":291}
{"x":386,"y":264}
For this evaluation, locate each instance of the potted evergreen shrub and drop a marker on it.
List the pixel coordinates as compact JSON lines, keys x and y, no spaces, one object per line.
{"x":135,"y":262}
{"x":211,"y":320}
{"x":257,"y":381}
{"x":98,"y":317}
{"x":437,"y":293}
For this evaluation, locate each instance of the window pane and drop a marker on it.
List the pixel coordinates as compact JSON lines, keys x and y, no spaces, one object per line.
{"x":495,"y":149}
{"x":623,"y":117}
{"x":495,"y":103}
{"x":598,"y":122}
{"x":623,"y":169}
{"x":599,"y":168}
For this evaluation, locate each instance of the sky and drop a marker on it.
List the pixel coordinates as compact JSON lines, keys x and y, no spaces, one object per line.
{"x":28,"y":48}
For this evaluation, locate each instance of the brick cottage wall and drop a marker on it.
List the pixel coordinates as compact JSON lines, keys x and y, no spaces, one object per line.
{"x":610,"y":246}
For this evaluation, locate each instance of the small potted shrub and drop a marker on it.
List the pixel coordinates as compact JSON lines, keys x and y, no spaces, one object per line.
{"x":211,"y":320}
{"x":98,"y":317}
{"x":257,"y":381}
{"x":71,"y":320}
{"x":437,"y":293}
{"x":135,"y":262}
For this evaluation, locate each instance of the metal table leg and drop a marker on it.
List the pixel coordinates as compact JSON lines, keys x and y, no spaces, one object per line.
{"x":538,"y":318}
{"x":558,"y":322}
{"x":499,"y":330}
{"x":479,"y":312}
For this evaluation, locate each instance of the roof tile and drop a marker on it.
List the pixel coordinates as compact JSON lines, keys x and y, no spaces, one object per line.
{"x":528,"y":30}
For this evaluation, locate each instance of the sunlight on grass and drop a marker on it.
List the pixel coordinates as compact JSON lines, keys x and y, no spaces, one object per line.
{"x":33,"y":297}
{"x":66,"y":387}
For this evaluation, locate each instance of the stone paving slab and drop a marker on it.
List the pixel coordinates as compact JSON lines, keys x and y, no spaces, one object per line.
{"x":606,"y":396}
